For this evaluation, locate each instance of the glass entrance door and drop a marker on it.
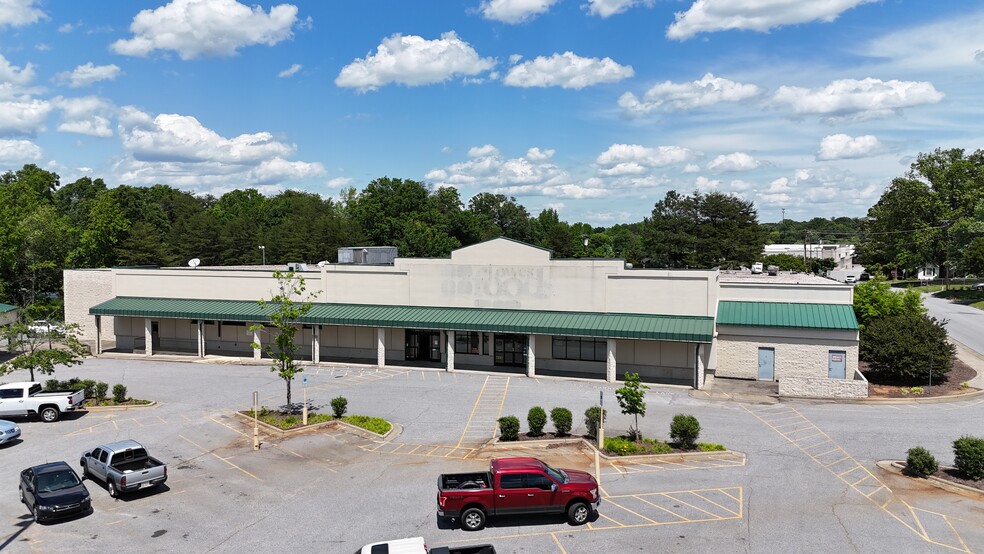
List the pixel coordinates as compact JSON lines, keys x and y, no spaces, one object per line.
{"x":510,"y":350}
{"x":423,"y":345}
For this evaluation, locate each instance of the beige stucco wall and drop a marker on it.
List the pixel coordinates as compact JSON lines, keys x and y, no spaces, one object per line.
{"x":798,"y":352}
{"x":809,"y":293}
{"x":6,"y":318}
{"x":85,"y":288}
{"x":824,"y":388}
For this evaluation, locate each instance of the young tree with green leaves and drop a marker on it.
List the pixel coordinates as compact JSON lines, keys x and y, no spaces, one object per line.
{"x":42,"y":351}
{"x":875,"y":299}
{"x":289,"y":305}
{"x":632,"y":399}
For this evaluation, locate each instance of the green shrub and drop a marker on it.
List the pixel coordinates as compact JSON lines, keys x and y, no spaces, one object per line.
{"x":536,"y":418}
{"x":101,"y":390}
{"x":319,"y":418}
{"x":52,"y":384}
{"x":119,"y":393}
{"x":339,"y":406}
{"x":591,"y":417}
{"x":377,"y":425}
{"x":710,"y":447}
{"x":920,"y":462}
{"x":684,"y":430}
{"x":900,"y":348}
{"x":89,"y":386}
{"x":563,"y":420}
{"x":509,"y":428}
{"x":621,"y":446}
{"x":657,"y":446}
{"x":968,"y":457}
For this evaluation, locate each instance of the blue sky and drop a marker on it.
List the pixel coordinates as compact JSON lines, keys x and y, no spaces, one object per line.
{"x":594,"y":107}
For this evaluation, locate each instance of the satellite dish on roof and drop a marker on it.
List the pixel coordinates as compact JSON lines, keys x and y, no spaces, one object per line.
{"x":193,"y":263}
{"x":323,"y":263}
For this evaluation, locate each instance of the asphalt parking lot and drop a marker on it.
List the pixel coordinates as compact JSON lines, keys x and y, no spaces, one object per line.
{"x":806,"y":481}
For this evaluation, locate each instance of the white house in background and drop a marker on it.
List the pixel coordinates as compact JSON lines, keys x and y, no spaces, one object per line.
{"x":928,"y":272}
{"x":842,"y":254}
{"x":498,"y":305}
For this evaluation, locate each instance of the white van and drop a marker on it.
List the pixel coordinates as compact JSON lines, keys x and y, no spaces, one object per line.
{"x":757,"y":267}
{"x":401,"y":546}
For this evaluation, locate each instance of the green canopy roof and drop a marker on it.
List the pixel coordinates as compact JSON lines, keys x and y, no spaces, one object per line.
{"x":4,"y":308}
{"x":787,"y":314}
{"x":581,"y":324}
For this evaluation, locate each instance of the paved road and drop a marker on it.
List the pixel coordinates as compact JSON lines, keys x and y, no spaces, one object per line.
{"x":807,"y":483}
{"x":966,"y":323}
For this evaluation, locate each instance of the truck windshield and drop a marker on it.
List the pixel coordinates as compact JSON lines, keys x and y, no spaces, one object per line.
{"x":57,"y":480}
{"x":557,"y":474}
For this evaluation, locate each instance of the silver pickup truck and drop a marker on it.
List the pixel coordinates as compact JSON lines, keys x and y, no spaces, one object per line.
{"x":29,"y":398}
{"x":124,"y":466}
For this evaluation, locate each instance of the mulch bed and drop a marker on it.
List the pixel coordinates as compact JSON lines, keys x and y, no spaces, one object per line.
{"x":961,"y":373}
{"x":548,"y":436}
{"x":954,"y":476}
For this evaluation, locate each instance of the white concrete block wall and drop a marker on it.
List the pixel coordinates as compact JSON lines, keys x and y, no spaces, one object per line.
{"x":823,"y":388}
{"x":85,"y":288}
{"x":737,"y":355}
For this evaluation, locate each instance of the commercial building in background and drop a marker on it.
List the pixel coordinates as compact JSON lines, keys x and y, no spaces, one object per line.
{"x":842,"y":254}
{"x":498,"y":305}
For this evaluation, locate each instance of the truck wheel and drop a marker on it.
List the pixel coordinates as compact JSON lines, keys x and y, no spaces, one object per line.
{"x":473,"y":519}
{"x":111,"y":488}
{"x":578,"y":513}
{"x":49,"y":414}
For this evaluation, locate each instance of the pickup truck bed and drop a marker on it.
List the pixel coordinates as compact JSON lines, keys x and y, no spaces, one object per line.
{"x":123,"y":466}
{"x":455,"y":481}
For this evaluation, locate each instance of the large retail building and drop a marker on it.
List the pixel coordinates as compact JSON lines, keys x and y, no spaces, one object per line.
{"x":499,"y":305}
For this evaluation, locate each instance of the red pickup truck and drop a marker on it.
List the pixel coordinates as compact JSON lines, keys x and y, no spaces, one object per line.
{"x":516,"y":486}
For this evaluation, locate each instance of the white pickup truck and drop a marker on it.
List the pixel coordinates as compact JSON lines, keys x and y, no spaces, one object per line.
{"x":29,"y":398}
{"x":124,"y":466}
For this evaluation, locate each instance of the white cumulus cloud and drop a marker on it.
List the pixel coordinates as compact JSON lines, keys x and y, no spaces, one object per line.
{"x":18,"y":151}
{"x":179,"y":150}
{"x":841,"y":146}
{"x":531,"y":175}
{"x":87,"y":74}
{"x":23,"y":115}
{"x":607,"y":8}
{"x":706,"y":91}
{"x":649,"y":157}
{"x":17,"y":13}
{"x":197,"y":28}
{"x":939,"y":45}
{"x":514,"y":11}
{"x":290,"y":71}
{"x":847,"y":100}
{"x":566,"y":70}
{"x":19,"y":76}
{"x":707,"y":16}
{"x":412,"y":60}
{"x":88,"y":115}
{"x":738,"y":161}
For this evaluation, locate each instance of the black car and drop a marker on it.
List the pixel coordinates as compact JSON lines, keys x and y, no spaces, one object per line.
{"x":53,"y":491}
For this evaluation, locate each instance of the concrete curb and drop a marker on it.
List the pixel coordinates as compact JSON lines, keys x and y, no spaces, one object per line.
{"x":153,"y":404}
{"x":897,"y":467}
{"x":395,"y":429}
{"x":496,"y":444}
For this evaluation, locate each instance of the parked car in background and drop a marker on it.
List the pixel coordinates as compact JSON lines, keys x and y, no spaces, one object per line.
{"x":978,"y":286}
{"x":30,"y":398}
{"x":53,"y":491}
{"x":9,"y":431}
{"x":124,"y":466}
{"x":416,"y":545}
{"x":850,"y":279}
{"x":43,"y":328}
{"x":757,"y":267}
{"x":864,"y":277}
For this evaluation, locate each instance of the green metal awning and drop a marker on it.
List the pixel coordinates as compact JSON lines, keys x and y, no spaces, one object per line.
{"x":579,"y":324}
{"x":782,"y":314}
{"x":4,"y":308}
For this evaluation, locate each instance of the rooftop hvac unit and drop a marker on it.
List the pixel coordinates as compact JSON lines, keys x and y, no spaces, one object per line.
{"x":297,"y":266}
{"x":377,"y":255}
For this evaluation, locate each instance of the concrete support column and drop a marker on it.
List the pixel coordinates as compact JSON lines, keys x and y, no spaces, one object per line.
{"x":316,"y":343}
{"x":449,"y":337}
{"x":380,"y":346}
{"x":610,"y":362}
{"x":99,"y":345}
{"x":201,"y":339}
{"x":700,"y":369}
{"x":257,"y":351}
{"x":531,"y":356}
{"x":148,"y":337}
